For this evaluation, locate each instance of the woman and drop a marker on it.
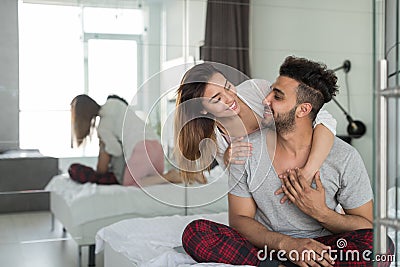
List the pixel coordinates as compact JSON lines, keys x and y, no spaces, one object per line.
{"x":210,"y":108}
{"x":111,"y":168}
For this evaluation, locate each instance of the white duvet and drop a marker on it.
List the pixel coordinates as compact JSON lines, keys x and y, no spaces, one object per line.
{"x":151,"y":241}
{"x":88,"y":202}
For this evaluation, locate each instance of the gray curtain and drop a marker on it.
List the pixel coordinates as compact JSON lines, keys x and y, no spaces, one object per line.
{"x":227,"y":34}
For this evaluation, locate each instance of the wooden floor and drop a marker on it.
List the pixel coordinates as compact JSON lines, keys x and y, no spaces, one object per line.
{"x":26,"y":240}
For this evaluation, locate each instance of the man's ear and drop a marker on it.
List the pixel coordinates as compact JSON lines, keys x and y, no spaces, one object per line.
{"x":203,"y":112}
{"x":304,"y":109}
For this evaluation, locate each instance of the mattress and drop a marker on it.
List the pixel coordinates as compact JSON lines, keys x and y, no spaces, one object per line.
{"x":150,"y":241}
{"x":82,"y":203}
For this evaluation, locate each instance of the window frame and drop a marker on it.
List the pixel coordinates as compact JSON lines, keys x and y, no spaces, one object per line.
{"x":86,"y":36}
{"x":109,"y":36}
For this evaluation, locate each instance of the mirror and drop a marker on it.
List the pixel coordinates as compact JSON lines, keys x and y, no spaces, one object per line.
{"x":167,"y":34}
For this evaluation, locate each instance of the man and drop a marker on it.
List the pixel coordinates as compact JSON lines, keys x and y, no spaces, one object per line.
{"x":308,"y":231}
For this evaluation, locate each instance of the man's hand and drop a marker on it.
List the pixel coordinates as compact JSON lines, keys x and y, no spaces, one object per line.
{"x":309,"y":178}
{"x":307,"y":252}
{"x":237,"y":151}
{"x":309,"y":200}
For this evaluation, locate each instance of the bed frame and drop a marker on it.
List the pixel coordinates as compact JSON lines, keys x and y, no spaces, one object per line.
{"x":83,"y":234}
{"x":99,"y":216}
{"x":122,"y":245}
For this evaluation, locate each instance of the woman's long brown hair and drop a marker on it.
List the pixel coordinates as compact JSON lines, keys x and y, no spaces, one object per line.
{"x":191,"y":128}
{"x":84,"y":111}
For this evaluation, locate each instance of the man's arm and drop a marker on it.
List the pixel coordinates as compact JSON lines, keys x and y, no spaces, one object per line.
{"x":312,"y":202}
{"x":358,"y":218}
{"x":241,"y":217}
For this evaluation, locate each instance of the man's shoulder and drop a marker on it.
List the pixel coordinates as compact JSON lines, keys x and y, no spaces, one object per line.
{"x":115,"y":103}
{"x":342,"y":152}
{"x":253,"y":88}
{"x":260,"y":147}
{"x":342,"y":145}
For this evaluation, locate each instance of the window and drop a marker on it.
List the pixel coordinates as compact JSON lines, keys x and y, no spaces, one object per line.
{"x":115,"y":21}
{"x":104,"y":57}
{"x":66,"y":51}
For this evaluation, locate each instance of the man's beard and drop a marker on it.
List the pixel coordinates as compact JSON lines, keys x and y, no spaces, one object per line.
{"x":283,"y":123}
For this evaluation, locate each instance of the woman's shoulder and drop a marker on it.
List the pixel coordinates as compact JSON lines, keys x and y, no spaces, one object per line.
{"x":253,"y":92}
{"x":254,"y":87}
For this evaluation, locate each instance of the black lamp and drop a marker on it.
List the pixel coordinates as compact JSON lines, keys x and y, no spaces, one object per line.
{"x":355,"y":129}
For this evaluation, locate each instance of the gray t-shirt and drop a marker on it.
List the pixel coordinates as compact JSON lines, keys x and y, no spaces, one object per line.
{"x":343,"y":176}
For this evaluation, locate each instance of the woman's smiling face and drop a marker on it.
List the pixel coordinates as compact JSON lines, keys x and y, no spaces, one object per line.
{"x":220,"y":97}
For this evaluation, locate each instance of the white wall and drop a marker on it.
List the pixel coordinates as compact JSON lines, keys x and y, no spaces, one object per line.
{"x":184,"y":27}
{"x":9,"y":116}
{"x":197,"y":11}
{"x":327,"y":31}
{"x":151,"y":53}
{"x":173,"y":30}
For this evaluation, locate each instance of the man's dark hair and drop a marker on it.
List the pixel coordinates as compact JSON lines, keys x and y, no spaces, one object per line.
{"x":117,"y":97}
{"x":317,"y":83}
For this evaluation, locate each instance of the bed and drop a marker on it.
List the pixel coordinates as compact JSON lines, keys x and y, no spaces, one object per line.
{"x":152,"y":242}
{"x":83,"y":209}
{"x":149,"y":242}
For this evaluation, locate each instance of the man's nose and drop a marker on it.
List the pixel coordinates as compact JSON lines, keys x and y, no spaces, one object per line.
{"x":267,"y":100}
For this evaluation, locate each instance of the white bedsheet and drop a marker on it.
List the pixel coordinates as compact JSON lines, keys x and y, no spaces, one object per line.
{"x":88,"y":202}
{"x":149,"y":242}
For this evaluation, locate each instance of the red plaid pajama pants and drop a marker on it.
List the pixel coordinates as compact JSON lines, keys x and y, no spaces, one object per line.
{"x":84,"y":174}
{"x":207,"y":241}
